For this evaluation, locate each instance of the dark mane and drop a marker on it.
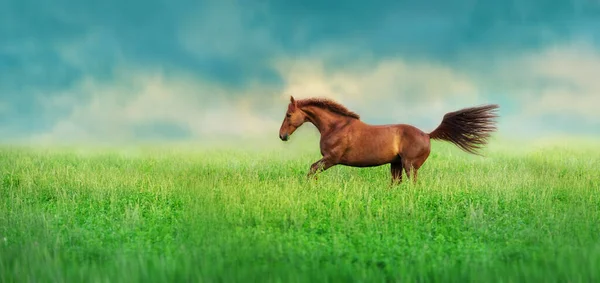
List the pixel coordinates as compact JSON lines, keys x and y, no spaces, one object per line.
{"x":329,"y":105}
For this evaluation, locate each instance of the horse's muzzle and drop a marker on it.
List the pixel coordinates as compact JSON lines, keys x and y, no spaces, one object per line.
{"x":284,"y":137}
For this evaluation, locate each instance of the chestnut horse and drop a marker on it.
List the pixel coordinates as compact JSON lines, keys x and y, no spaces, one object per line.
{"x":346,"y":140}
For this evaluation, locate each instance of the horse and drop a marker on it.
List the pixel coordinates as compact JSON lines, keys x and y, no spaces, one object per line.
{"x":346,"y":140}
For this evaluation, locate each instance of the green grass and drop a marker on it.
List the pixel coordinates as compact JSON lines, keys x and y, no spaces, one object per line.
{"x":237,"y":215}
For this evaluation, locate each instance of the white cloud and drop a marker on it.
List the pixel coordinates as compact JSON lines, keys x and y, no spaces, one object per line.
{"x":560,"y":81}
{"x":111,"y":111}
{"x":391,"y":90}
{"x":576,"y":70}
{"x":100,"y":110}
{"x":394,"y":90}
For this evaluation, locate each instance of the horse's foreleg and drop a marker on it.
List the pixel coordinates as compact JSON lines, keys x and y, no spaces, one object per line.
{"x":319,"y":166}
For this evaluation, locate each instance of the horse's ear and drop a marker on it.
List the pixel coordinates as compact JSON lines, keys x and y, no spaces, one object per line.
{"x":293,"y":101}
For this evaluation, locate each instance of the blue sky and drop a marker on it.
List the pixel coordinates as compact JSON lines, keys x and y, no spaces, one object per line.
{"x":138,"y":70}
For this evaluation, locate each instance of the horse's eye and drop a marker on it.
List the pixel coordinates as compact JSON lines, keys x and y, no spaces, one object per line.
{"x":288,"y":115}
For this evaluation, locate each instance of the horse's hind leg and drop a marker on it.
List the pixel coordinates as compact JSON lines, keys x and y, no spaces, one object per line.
{"x":408,"y":168}
{"x":411,"y":166}
{"x":396,"y":171}
{"x":411,"y":170}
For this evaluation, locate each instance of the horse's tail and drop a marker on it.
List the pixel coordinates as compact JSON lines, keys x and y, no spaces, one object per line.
{"x":468,"y":128}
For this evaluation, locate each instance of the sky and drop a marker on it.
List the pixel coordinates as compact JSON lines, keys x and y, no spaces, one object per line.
{"x":112,"y":71}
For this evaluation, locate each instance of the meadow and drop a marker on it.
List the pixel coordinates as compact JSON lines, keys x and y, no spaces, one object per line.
{"x":227,"y":214}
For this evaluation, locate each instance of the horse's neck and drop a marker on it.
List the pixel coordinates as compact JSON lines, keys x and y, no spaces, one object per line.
{"x":324,"y":120}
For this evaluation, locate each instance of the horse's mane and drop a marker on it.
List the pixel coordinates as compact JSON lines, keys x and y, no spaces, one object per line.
{"x":328,"y":104}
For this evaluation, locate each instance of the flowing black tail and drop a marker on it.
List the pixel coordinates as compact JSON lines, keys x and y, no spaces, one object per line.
{"x":467,"y":128}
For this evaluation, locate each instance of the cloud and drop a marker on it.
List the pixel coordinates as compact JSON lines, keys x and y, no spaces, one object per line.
{"x":390,"y":90}
{"x":573,"y":86}
{"x":111,"y":112}
{"x":547,"y":91}
{"x":537,"y":88}
{"x":552,"y":90}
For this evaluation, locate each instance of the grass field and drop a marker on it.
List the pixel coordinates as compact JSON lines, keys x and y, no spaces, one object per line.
{"x":160,"y":214}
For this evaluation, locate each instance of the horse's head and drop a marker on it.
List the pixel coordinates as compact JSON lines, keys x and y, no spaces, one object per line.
{"x":294,"y":118}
